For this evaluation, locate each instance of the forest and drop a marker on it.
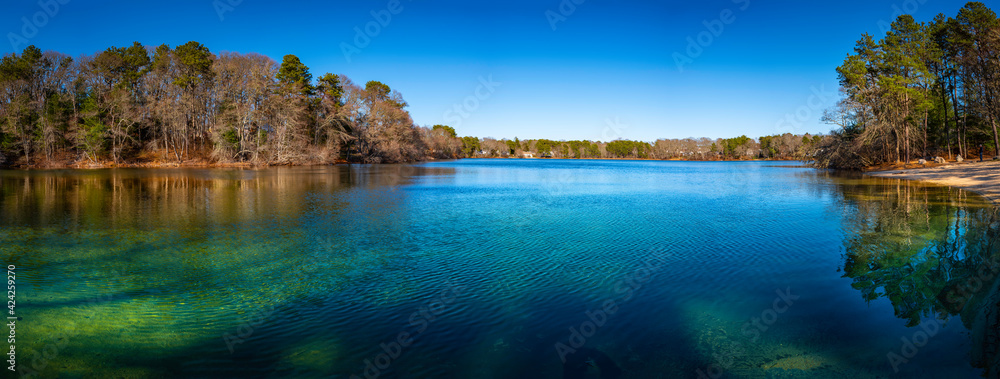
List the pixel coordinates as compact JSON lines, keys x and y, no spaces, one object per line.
{"x":163,"y":105}
{"x":785,"y":146}
{"x":922,"y":90}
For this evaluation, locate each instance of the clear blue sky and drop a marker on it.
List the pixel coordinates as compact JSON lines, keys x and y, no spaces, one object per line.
{"x":606,"y":60}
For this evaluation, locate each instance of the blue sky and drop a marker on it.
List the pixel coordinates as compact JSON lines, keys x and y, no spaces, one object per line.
{"x":607,"y":70}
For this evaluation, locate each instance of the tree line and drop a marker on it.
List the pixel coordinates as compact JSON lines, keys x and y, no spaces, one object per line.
{"x":923,"y":89}
{"x":137,"y":104}
{"x":784,"y":146}
{"x":134,"y":103}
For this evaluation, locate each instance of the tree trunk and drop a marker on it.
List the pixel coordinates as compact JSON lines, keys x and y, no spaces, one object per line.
{"x":954,"y":104}
{"x":965,"y":132}
{"x":925,"y":133}
{"x":996,"y":139}
{"x":888,"y":153}
{"x":906,"y":139}
{"x":947,"y":127}
{"x":899,"y":157}
{"x":906,"y":128}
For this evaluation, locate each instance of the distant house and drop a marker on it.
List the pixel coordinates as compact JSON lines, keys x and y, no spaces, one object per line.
{"x":529,"y":155}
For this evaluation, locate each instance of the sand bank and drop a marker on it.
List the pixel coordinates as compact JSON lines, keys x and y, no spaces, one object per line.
{"x":979,"y":177}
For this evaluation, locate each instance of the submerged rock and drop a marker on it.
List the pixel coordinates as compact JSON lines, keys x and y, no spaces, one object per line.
{"x":798,"y":362}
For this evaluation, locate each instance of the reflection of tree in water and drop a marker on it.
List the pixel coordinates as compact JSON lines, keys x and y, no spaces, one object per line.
{"x":162,"y":260}
{"x":932,"y":251}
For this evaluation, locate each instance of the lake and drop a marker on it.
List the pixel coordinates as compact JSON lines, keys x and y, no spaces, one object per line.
{"x":499,"y":269}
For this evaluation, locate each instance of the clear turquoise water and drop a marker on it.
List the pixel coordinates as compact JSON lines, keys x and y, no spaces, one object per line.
{"x":739,"y":269}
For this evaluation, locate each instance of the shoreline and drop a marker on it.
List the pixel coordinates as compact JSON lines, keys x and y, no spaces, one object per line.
{"x":190,"y":163}
{"x":982,"y":178}
{"x":198,"y":163}
{"x":645,"y":159}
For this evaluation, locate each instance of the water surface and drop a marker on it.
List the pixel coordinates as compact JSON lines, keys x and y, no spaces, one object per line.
{"x":499,"y":269}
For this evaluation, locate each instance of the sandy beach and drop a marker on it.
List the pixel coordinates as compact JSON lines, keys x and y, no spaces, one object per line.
{"x":979,"y":177}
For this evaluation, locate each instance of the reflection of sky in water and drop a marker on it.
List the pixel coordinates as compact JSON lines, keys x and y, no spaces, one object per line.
{"x":142,"y":272}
